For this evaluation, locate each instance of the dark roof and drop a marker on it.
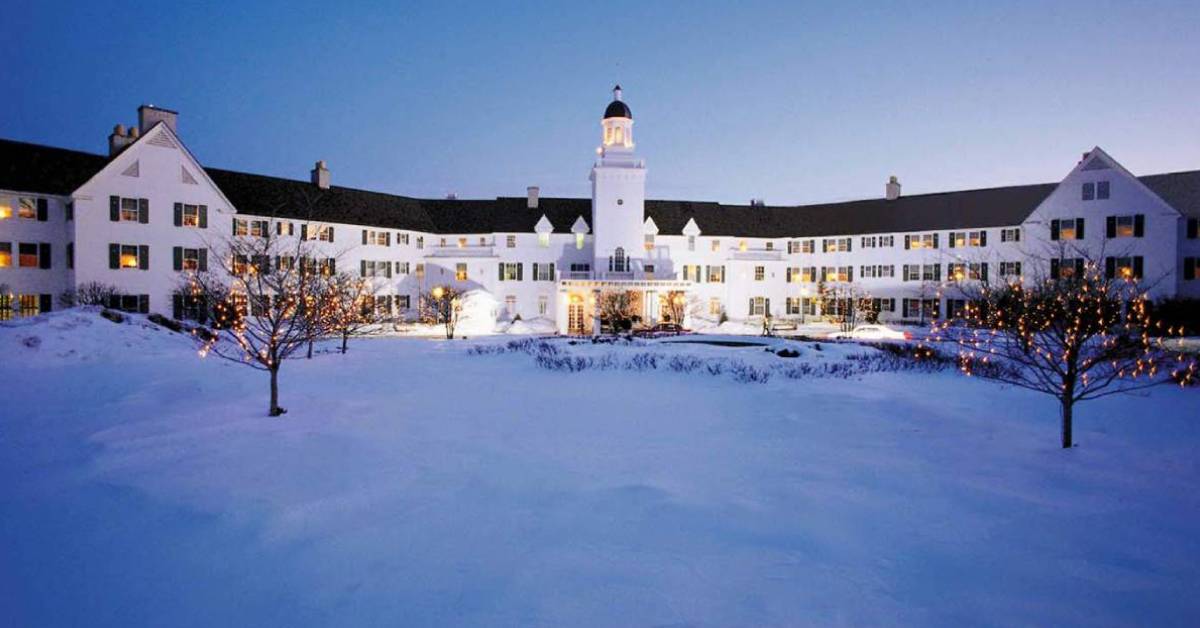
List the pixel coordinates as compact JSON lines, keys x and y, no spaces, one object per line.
{"x":618,"y":109}
{"x":34,"y":168}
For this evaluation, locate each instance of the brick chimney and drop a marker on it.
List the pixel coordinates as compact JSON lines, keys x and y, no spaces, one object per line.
{"x":531,"y":196}
{"x":119,"y":139}
{"x":893,"y":188}
{"x":320,"y":175}
{"x":149,"y":115}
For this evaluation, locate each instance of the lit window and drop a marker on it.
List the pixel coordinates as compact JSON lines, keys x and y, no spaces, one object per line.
{"x":510,"y":304}
{"x":29,"y":304}
{"x":716,"y":245}
{"x":543,"y":305}
{"x":420,"y":242}
{"x":742,"y":245}
{"x":460,"y":272}
{"x":27,"y":254}
{"x":462,"y":243}
{"x":578,"y":240}
{"x":511,"y":241}
{"x":129,"y":209}
{"x":691,"y":241}
{"x":544,"y":240}
{"x":28,"y":208}
{"x":129,"y":256}
{"x":1068,"y":229}
{"x":649,"y":241}
{"x":191,"y":259}
{"x":5,"y":254}
{"x":714,"y":306}
{"x":5,"y":207}
{"x":191,"y":215}
{"x":760,"y":273}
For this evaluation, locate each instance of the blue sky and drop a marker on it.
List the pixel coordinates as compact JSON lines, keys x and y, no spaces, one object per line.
{"x":792,"y":102}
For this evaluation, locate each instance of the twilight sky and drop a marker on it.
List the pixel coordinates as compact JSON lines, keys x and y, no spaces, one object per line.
{"x":792,"y":102}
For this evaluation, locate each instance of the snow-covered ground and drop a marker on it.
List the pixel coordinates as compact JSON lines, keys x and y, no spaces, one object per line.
{"x":418,"y":482}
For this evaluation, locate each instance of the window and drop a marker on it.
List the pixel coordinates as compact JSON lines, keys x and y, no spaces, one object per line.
{"x":69,"y":211}
{"x":371,"y":237}
{"x":482,"y":241}
{"x":543,"y":271}
{"x":883,"y":305}
{"x":5,"y":213}
{"x":1193,"y":228}
{"x":27,"y":254}
{"x":1066,"y":268}
{"x":871,"y":271}
{"x":256,"y":228}
{"x":1011,"y":234}
{"x":1129,"y":267}
{"x":578,"y":240}
{"x":835,"y":245}
{"x":129,"y":210}
{"x":691,"y":242}
{"x":921,"y":308}
{"x":1089,"y":191}
{"x":716,"y":274}
{"x":510,"y":305}
{"x":714,"y":306}
{"x":462,"y":243}
{"x":324,"y":233}
{"x":285,"y":228}
{"x":868,"y":242}
{"x":649,"y":242}
{"x":808,"y":274}
{"x":808,"y":246}
{"x":837,"y":273}
{"x":1010,"y":269}
{"x":959,"y":271}
{"x":921,"y":241}
{"x":581,"y":268}
{"x":29,"y":304}
{"x":401,"y":268}
{"x":792,"y":305}
{"x":511,"y":241}
{"x":5,"y":254}
{"x":1133,"y":226}
{"x":758,"y":306}
{"x":742,"y":246}
{"x":510,"y":271}
{"x":1066,"y":229}
{"x":240,"y":227}
{"x":259,"y":228}
{"x":1095,"y":191}
{"x":190,"y":259}
{"x":963,"y":239}
{"x":460,"y":272}
{"x":372,"y":268}
{"x":420,"y":242}
{"x":544,"y":240}
{"x":887,"y":241}
{"x":189,"y":216}
{"x":442,"y":242}
{"x":6,"y":305}
{"x":716,"y":246}
{"x":617,"y":262}
{"x":648,"y":269}
{"x":402,"y":302}
{"x":1191,"y":268}
{"x":1101,"y":190}
{"x":543,"y":304}
{"x":402,"y":239}
{"x":420,"y":270}
{"x":922,"y":272}
{"x":760,"y":273}
{"x":770,"y":246}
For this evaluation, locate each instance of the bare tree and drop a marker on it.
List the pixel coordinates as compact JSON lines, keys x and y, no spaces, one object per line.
{"x":442,"y":306}
{"x":1081,"y":335}
{"x":262,"y":296}
{"x":618,"y":308}
{"x":348,"y":308}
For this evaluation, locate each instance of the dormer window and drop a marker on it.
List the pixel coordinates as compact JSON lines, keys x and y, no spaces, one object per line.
{"x":544,"y":240}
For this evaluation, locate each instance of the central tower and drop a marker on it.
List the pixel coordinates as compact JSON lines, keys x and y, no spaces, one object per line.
{"x":618,"y":194}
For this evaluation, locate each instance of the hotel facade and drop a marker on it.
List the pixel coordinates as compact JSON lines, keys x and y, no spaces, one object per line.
{"x":147,"y":213}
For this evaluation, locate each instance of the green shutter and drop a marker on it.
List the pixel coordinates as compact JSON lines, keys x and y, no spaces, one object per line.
{"x":44,"y":255}
{"x":204,"y":216}
{"x":114,"y":208}
{"x":144,"y":210}
{"x":42,"y":210}
{"x":177,"y":257}
{"x":203,"y":260}
{"x":178,"y":214}
{"x":143,"y":257}
{"x":114,"y":255}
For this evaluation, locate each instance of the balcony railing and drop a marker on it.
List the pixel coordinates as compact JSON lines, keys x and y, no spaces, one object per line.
{"x":453,"y":250}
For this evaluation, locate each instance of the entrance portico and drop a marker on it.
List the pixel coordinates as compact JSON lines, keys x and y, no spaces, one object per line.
{"x":579,"y":301}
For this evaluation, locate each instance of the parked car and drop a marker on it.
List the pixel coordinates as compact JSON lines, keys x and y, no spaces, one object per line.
{"x":872,"y":332}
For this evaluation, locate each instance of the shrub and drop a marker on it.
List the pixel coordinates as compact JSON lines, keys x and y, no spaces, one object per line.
{"x":113,"y":316}
{"x":94,"y":293}
{"x":163,"y":321}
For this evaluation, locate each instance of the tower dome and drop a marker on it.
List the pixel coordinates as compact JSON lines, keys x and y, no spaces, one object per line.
{"x":617,"y":108}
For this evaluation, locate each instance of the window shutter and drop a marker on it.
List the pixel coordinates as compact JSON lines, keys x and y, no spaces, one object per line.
{"x":722,"y":273}
{"x":767,"y":307}
{"x":303,"y":232}
{"x":520,"y":270}
{"x":1137,"y":266}
{"x":114,"y":208}
{"x":1054,"y":229}
{"x":362,"y":266}
{"x":1110,"y":227}
{"x":935,"y":240}
{"x":1110,"y":267}
{"x":44,"y":255}
{"x":907,"y":241}
{"x":1078,"y":228}
{"x":204,"y":216}
{"x":331,"y":234}
{"x":551,"y":271}
{"x":500,"y":266}
{"x":178,"y":212}
{"x":535,"y":271}
{"x":937,"y":272}
{"x":951,"y":240}
{"x":1054,"y":269}
{"x":144,"y":303}
{"x":234,"y":224}
{"x":203,"y":260}
{"x":849,"y":244}
{"x":177,"y":306}
{"x":279,"y":228}
{"x":364,"y":236}
{"x":983,"y":272}
{"x":1193,"y":228}
{"x":387,"y":270}
{"x":332,"y":266}
{"x":1139,"y":225}
{"x":1078,"y":266}
{"x":45,"y":303}
{"x":1189,"y":268}
{"x":706,"y":267}
{"x":143,"y":210}
{"x":42,"y":210}
{"x":789,"y":274}
{"x":983,"y":238}
{"x":114,"y":255}
{"x":850,"y":274}
{"x":177,"y":257}
{"x":144,"y":257}
{"x":750,"y":310}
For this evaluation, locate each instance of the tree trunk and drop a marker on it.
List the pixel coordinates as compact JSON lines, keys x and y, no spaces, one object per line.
{"x":310,"y":344}
{"x":1068,"y":406}
{"x":275,"y":409}
{"x":345,"y":339}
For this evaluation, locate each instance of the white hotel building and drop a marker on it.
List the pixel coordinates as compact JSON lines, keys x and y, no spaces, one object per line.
{"x":142,"y":216}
